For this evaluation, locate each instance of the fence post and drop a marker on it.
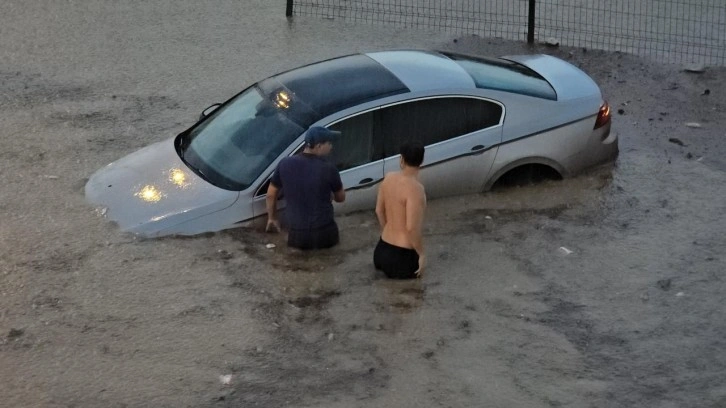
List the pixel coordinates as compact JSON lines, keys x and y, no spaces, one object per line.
{"x":530,"y":22}
{"x":288,"y":10}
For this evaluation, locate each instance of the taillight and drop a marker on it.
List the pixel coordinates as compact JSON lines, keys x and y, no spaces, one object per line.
{"x":603,"y":116}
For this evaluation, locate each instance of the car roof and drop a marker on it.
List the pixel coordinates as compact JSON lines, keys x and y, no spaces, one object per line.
{"x":329,"y":86}
{"x":424,"y":70}
{"x":335,"y":84}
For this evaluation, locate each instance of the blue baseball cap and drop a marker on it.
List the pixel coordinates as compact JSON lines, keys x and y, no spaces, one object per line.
{"x":318,"y":134}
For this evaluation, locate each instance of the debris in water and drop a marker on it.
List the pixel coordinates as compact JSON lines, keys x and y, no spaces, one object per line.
{"x":270,"y":246}
{"x":679,"y":294}
{"x":15,"y":333}
{"x":565,"y":250}
{"x":225,"y":379}
{"x":664,"y":284}
{"x":552,"y":42}
{"x":695,"y":68}
{"x":695,"y":125}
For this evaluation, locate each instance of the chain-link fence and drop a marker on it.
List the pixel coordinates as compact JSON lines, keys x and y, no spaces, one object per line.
{"x":690,"y":31}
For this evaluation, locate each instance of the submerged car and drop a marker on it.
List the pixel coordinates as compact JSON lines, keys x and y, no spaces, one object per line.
{"x":480,"y":119}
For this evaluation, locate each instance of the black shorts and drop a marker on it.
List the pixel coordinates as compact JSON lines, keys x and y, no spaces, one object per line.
{"x":394,"y":261}
{"x":313,"y":238}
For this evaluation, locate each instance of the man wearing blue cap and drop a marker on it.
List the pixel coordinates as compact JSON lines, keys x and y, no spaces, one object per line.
{"x":310,"y":182}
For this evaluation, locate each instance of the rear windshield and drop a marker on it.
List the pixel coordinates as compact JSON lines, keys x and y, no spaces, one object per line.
{"x":503,"y":75}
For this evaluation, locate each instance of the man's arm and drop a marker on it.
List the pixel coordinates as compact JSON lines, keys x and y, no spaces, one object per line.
{"x":339,"y":196}
{"x":271,"y":203}
{"x":336,"y":185}
{"x":415,"y":206}
{"x":381,"y":206}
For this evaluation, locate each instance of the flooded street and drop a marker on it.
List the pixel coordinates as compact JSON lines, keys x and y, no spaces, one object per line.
{"x":603,"y":290}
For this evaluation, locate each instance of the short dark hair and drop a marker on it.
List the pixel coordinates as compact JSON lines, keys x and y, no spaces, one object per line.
{"x":412,"y":153}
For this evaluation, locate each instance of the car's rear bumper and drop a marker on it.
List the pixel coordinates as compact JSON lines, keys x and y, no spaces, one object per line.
{"x":602,"y":147}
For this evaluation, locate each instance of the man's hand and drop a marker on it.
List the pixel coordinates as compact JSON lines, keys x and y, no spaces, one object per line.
{"x":273,"y":225}
{"x":421,"y":265}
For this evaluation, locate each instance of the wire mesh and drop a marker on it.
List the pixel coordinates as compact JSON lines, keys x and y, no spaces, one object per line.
{"x":673,"y":31}
{"x":491,"y":18}
{"x":664,"y":30}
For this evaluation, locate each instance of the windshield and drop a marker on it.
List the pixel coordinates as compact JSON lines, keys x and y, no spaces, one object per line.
{"x":240,"y":140}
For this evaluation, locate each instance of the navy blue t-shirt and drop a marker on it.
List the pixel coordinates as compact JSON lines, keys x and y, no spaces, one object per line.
{"x":308,"y":181}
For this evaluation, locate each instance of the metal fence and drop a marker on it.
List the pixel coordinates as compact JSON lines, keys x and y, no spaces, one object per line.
{"x":673,"y":31}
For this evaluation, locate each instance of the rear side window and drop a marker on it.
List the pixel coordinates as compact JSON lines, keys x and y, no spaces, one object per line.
{"x":503,"y":75}
{"x":431,"y":121}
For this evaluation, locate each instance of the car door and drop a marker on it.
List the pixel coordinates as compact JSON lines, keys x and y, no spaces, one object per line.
{"x":461,"y":136}
{"x":359,"y":159}
{"x":356,"y":156}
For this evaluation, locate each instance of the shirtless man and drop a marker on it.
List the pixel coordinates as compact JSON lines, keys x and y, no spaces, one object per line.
{"x":400,"y":209}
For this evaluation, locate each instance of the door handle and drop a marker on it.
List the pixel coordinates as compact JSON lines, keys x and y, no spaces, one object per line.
{"x":365,"y":183}
{"x":477,"y":147}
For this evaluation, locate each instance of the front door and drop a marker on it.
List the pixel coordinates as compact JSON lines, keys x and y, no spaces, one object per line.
{"x":358,"y":158}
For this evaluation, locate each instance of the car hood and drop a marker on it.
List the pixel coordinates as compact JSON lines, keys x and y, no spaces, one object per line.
{"x":152,"y":189}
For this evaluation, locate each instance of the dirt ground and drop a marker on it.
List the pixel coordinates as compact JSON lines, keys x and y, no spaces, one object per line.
{"x":631,"y":315}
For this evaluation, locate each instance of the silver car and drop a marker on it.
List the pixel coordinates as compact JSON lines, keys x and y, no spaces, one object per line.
{"x":480,"y":119}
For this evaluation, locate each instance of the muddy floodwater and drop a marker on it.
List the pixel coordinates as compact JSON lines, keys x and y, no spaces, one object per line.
{"x":604,"y":290}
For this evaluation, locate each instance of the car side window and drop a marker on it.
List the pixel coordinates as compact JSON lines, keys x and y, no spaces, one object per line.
{"x":435,"y":120}
{"x":355,"y":146}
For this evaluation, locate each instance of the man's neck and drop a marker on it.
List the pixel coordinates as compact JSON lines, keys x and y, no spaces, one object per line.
{"x":410,"y":171}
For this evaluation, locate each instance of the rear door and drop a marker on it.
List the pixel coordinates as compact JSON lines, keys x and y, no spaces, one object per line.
{"x":461,"y":136}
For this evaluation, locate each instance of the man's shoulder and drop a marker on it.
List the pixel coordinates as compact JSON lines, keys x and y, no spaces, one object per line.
{"x":292,"y":161}
{"x":417,"y":186}
{"x":328,"y":165}
{"x":286,"y":161}
{"x":414,"y":187}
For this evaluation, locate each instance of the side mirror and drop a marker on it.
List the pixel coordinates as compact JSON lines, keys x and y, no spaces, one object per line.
{"x":209,"y":111}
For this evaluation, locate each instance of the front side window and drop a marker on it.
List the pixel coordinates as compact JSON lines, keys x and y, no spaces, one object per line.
{"x":234,"y":146}
{"x":431,"y":121}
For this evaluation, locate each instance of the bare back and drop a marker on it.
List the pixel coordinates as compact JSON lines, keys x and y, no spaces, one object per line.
{"x":400,"y":209}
